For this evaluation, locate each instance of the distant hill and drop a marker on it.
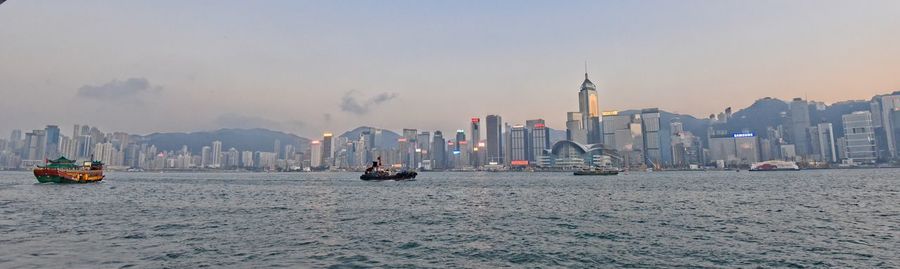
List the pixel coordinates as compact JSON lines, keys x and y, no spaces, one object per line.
{"x":241,"y":139}
{"x":834,"y":112}
{"x":556,"y":135}
{"x":388,"y":137}
{"x":758,"y":116}
{"x":698,"y":127}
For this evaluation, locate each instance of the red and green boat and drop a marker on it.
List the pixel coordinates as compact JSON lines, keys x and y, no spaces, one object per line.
{"x":63,"y":170}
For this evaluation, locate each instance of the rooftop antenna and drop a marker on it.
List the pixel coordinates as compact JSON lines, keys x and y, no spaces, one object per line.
{"x":585,"y":69}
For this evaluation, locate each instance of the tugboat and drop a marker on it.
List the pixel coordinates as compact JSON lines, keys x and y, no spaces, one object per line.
{"x":375,"y":173}
{"x":63,"y":170}
{"x":774,"y":165}
{"x":597,"y":172}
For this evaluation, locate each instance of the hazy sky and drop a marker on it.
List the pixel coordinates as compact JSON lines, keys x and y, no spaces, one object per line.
{"x":307,"y":67}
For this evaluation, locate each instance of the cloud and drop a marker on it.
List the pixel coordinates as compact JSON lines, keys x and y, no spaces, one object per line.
{"x":349,"y":103}
{"x":118,"y":90}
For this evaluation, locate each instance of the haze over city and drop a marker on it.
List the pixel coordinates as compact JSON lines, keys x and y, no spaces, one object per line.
{"x":308,"y":67}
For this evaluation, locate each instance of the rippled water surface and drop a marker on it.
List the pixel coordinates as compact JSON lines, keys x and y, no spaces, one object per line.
{"x":833,"y":218}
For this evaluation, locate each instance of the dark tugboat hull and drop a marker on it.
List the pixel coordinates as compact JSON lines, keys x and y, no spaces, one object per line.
{"x":596,"y":173}
{"x":397,"y":176}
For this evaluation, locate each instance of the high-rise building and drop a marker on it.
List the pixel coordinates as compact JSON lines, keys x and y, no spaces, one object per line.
{"x":327,"y":148}
{"x":799,"y":123}
{"x":859,"y":136}
{"x":67,"y":147}
{"x":234,"y":158}
{"x":216,"y":154}
{"x":247,"y":158}
{"x":883,"y":111}
{"x":15,"y":135}
{"x":278,"y":149}
{"x":205,"y":157}
{"x":460,"y":136}
{"x":539,"y":140}
{"x":423,"y":147}
{"x":826,"y":146}
{"x":475,"y":132}
{"x":494,"y":141}
{"x":461,"y":152}
{"x":734,"y":149}
{"x":657,"y":139}
{"x":35,"y":143}
{"x":475,"y":138}
{"x":51,"y":150}
{"x":575,"y":128}
{"x":589,"y":107}
{"x":438,"y":151}
{"x":518,"y":145}
{"x":315,"y":154}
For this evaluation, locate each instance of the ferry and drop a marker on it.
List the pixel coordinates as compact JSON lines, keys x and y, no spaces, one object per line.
{"x":599,"y":171}
{"x":63,"y":170}
{"x":775,"y":166}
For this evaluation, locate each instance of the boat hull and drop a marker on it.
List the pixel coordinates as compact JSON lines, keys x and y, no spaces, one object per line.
{"x":397,"y":176}
{"x":67,"y":176}
{"x":596,"y":173}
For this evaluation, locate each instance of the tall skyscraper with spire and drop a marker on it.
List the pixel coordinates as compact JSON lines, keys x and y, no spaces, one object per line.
{"x":588,"y":130}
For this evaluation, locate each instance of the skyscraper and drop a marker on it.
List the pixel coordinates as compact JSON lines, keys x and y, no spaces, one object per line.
{"x":657,"y":139}
{"x":575,"y":128}
{"x":826,"y":142}
{"x":884,"y":107}
{"x":539,"y":139}
{"x":15,"y":135}
{"x":799,"y":124}
{"x":438,"y":151}
{"x":460,"y":136}
{"x":494,"y":143}
{"x":589,"y":107}
{"x":408,"y":148}
{"x":35,"y":143}
{"x":277,"y":148}
{"x":423,"y":147}
{"x":315,"y":154}
{"x":51,"y":150}
{"x":327,"y":148}
{"x":859,"y":135}
{"x":216,"y":154}
{"x":518,"y":145}
{"x":205,"y":156}
{"x":475,"y":132}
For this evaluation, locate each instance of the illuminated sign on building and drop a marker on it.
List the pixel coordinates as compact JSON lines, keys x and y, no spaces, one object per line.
{"x":475,"y":120}
{"x":519,"y":163}
{"x":538,"y":125}
{"x":739,"y":135}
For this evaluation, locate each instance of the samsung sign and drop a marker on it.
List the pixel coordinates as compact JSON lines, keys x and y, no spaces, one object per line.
{"x":743,"y":135}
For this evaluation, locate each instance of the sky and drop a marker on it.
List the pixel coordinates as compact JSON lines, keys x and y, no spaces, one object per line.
{"x":307,"y":67}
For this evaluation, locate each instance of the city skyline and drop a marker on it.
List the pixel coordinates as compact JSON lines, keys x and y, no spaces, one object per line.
{"x":295,"y":67}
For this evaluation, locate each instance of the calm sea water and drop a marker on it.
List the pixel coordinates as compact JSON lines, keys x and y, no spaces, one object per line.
{"x":825,"y":218}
